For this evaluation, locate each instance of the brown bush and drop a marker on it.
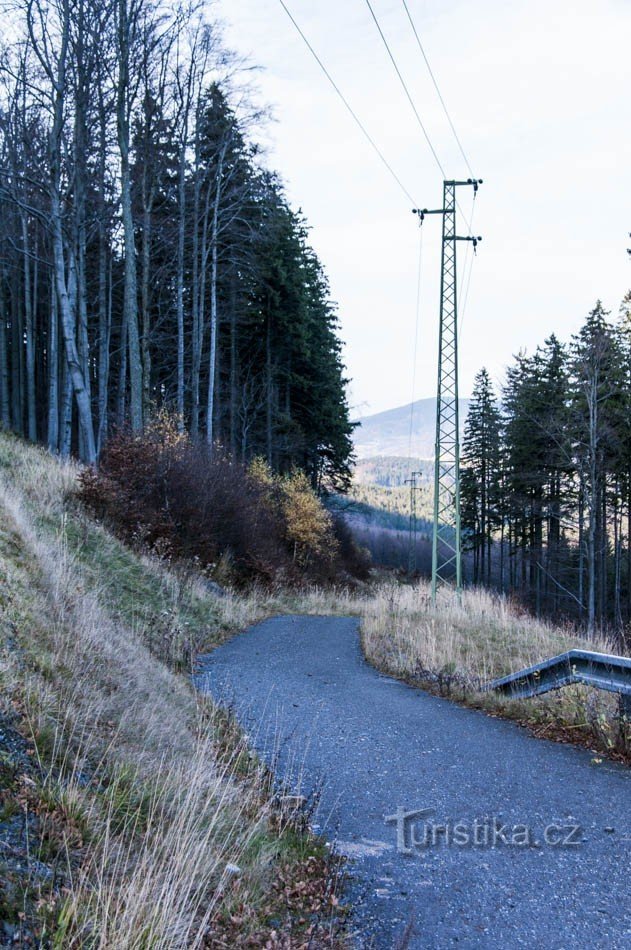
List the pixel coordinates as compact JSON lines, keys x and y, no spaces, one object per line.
{"x":220,"y":512}
{"x":164,"y":492}
{"x":320,"y":543}
{"x":179,"y":500}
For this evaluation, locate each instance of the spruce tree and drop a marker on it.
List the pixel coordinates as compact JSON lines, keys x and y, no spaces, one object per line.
{"x":598,"y":370}
{"x":481,"y":475}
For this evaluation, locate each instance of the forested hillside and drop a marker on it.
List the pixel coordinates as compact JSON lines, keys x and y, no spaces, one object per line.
{"x":546,"y":483}
{"x":393,"y":471}
{"x":148,"y":257}
{"x":397,"y":432}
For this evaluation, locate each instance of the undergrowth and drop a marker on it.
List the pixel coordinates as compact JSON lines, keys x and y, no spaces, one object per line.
{"x":140,"y":825}
{"x":133,"y":812}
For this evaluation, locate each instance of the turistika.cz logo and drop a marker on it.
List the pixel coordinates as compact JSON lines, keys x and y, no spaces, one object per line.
{"x":416,"y":831}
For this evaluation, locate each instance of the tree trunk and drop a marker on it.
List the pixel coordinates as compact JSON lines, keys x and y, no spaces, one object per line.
{"x":5,"y":409}
{"x":581,"y":543}
{"x":65,"y":415}
{"x":592,"y":511}
{"x":181,"y":226}
{"x":214,"y":326}
{"x":104,"y":341}
{"x":604,"y":552}
{"x":196,"y":296}
{"x":146,"y":304}
{"x":66,"y":311}
{"x":68,"y":329}
{"x":17,"y":390}
{"x":29,"y":330}
{"x":53,"y":374}
{"x":130,"y":301}
{"x":80,"y":197}
{"x":617,"y":551}
{"x":105,"y":322}
{"x":233,"y":366}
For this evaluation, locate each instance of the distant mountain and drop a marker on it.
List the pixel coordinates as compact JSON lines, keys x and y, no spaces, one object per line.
{"x":388,"y":433}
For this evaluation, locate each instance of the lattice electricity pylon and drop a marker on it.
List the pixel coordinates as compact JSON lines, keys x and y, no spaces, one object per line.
{"x":446,"y":541}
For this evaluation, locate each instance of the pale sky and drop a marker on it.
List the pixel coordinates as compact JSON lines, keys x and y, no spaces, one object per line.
{"x":539,"y":93}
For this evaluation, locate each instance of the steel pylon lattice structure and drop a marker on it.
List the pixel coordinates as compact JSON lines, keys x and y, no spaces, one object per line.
{"x":447,"y":537}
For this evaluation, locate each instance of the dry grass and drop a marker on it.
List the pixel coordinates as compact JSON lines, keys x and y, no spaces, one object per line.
{"x":481,"y":634}
{"x":145,"y":809}
{"x":458,"y":646}
{"x":147,"y":796}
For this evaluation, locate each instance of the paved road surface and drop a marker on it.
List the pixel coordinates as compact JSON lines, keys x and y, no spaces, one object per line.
{"x":372,"y":745}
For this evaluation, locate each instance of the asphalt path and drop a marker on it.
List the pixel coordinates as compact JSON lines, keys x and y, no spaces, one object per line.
{"x":512,"y":841}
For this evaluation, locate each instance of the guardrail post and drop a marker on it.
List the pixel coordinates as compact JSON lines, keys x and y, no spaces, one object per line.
{"x":625,"y":708}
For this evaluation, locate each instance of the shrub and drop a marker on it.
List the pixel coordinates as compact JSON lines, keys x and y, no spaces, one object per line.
{"x":162,"y":491}
{"x":181,"y":501}
{"x":308,"y":526}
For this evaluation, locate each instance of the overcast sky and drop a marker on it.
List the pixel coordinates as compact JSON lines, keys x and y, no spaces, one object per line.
{"x":539,"y":93}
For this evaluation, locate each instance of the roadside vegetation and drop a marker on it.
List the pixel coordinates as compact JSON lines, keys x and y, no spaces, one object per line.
{"x":457,"y":647}
{"x":131,"y":812}
{"x":234,"y":523}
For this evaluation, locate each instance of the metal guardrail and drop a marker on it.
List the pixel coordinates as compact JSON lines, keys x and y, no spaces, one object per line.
{"x":601,"y":670}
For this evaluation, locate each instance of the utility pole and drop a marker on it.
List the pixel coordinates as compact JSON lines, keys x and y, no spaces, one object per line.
{"x":446,"y":541}
{"x":411,"y":481}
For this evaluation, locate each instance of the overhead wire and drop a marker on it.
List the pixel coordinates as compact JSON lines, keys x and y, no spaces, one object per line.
{"x":410,"y":98}
{"x":466,"y":276}
{"x":389,"y":168}
{"x":465,"y":284}
{"x":347,"y":104}
{"x":415,"y":348}
{"x":437,"y":88}
{"x":405,"y":89}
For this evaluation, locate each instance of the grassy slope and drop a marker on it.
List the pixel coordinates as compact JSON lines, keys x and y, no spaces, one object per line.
{"x":134,"y":797}
{"x":137,"y":796}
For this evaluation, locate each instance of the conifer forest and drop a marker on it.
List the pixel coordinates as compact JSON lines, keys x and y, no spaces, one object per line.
{"x":546,"y":478}
{"x":315,"y":567}
{"x":149,"y":258}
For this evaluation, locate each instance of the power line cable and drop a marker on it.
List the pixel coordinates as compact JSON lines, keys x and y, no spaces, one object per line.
{"x":469,"y":259}
{"x":409,"y":97}
{"x":437,"y":88}
{"x":415,"y":348}
{"x":405,"y":89}
{"x":348,"y":106}
{"x":467,"y":284}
